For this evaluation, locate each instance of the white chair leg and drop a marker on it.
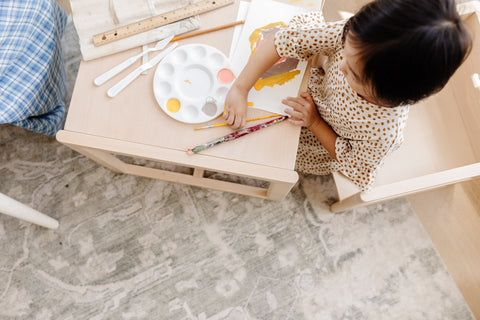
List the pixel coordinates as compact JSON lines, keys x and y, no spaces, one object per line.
{"x":18,"y":210}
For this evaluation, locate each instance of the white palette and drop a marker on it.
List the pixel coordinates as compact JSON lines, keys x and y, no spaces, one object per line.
{"x":191,"y":83}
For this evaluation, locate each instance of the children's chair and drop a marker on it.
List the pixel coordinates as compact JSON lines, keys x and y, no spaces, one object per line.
{"x":442,"y":137}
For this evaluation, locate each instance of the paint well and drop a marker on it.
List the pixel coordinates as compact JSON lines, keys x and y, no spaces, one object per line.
{"x":195,"y":82}
{"x":225,"y":76}
{"x":210,"y":108}
{"x":173,"y":105}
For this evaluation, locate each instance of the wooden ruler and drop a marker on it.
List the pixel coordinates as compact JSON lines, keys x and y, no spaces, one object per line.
{"x":158,"y":21}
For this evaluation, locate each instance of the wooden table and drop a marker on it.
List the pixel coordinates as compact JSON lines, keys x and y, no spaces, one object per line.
{"x":132,"y":124}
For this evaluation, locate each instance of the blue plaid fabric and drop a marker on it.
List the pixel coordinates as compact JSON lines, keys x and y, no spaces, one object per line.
{"x":32,"y":74}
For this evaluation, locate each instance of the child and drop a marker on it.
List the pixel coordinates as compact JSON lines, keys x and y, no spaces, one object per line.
{"x":390,"y":54}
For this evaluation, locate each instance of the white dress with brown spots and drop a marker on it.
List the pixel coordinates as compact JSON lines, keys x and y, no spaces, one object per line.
{"x":367,"y":133}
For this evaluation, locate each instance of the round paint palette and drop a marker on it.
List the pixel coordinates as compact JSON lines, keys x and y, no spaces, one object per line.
{"x":191,"y":83}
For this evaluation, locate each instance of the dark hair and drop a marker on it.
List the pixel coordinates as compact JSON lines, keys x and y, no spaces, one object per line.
{"x":410,"y":48}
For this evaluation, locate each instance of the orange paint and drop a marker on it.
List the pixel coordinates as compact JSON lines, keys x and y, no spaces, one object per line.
{"x":225,"y":76}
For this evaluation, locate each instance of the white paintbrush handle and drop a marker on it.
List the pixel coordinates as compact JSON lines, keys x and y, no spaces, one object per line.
{"x":115,"y":70}
{"x":113,"y":91}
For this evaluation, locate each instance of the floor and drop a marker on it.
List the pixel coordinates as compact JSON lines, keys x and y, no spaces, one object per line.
{"x":451,"y":215}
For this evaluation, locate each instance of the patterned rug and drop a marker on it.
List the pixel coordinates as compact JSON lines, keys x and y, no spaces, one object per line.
{"x":135,"y":248}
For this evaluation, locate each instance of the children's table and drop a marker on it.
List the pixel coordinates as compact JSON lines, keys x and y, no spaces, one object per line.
{"x":111,"y":131}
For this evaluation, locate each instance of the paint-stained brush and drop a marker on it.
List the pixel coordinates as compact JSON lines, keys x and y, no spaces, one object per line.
{"x":235,"y":135}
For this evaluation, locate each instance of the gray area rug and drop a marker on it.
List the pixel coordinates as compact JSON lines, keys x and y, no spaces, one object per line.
{"x":135,"y":248}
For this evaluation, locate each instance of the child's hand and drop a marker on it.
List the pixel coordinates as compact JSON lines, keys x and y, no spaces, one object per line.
{"x":302,"y":110}
{"x":236,"y":107}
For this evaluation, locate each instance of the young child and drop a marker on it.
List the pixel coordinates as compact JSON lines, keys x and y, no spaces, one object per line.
{"x":390,"y":54}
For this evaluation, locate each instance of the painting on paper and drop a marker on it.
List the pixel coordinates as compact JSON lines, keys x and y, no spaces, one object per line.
{"x":285,"y":76}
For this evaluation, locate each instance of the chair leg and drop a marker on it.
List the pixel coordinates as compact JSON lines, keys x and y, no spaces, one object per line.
{"x":351,"y":202}
{"x":18,"y":210}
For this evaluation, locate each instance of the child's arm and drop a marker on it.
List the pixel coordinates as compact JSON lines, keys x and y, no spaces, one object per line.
{"x":304,"y":112}
{"x":236,"y":101}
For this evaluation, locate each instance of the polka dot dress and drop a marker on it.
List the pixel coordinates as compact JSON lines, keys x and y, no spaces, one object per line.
{"x":368,"y":133}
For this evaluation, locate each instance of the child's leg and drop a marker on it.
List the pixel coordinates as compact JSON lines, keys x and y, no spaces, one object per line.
{"x":312,"y":157}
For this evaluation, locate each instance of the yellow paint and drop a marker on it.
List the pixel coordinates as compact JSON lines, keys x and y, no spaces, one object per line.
{"x":257,"y":34}
{"x":173,"y":105}
{"x":250,"y":104}
{"x":188,"y":81}
{"x":279,"y":79}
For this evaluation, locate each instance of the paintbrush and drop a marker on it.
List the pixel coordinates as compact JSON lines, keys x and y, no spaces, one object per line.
{"x":235,"y":135}
{"x":197,"y":33}
{"x":226,"y":124}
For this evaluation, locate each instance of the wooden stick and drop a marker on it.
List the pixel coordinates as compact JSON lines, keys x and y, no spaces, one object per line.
{"x":225,"y":124}
{"x":197,"y":33}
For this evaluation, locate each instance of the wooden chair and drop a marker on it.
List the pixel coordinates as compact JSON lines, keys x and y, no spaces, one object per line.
{"x":442,"y":138}
{"x":18,"y":210}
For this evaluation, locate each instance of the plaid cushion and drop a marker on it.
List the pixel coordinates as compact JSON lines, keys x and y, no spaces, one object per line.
{"x":32,"y":75}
